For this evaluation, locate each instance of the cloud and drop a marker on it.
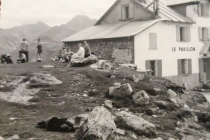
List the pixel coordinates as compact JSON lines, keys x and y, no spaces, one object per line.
{"x":52,"y":12}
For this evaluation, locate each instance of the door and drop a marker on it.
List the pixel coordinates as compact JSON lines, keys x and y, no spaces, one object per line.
{"x":206,"y":68}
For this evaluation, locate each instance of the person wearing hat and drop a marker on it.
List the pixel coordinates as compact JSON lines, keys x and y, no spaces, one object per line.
{"x":24,"y":48}
{"x":39,"y":51}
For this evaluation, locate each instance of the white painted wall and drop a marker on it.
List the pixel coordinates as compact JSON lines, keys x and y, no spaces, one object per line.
{"x":166,"y":39}
{"x":192,"y":13}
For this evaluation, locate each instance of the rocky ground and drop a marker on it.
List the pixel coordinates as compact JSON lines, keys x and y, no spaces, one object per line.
{"x":96,"y":105}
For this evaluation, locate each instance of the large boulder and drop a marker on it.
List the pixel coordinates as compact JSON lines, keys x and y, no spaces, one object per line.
{"x":125,"y":120}
{"x":99,"y":126}
{"x":141,"y":98}
{"x":123,"y":91}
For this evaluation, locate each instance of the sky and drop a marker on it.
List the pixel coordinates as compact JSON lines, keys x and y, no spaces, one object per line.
{"x":52,"y":12}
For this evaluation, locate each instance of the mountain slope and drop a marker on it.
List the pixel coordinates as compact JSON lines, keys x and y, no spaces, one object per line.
{"x":50,"y":36}
{"x":80,"y":22}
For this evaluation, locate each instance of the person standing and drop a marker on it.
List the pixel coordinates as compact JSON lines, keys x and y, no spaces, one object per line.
{"x":39,"y":51}
{"x":24,"y":49}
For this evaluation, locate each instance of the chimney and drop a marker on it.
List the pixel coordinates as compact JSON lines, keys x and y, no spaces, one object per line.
{"x":156,"y":7}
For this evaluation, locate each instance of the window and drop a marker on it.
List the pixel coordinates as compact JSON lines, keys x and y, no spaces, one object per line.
{"x":155,"y":66}
{"x":153,"y":41}
{"x":204,"y":33}
{"x":183,"y":33}
{"x":184,"y":66}
{"x":126,"y":11}
{"x":204,"y":9}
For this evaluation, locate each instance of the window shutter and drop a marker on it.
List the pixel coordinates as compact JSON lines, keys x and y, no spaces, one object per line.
{"x":201,"y":65}
{"x":148,"y":65}
{"x":177,"y":33}
{"x":159,"y":64}
{"x":189,"y":66}
{"x":208,"y":10}
{"x":188,"y":34}
{"x":208,"y":33}
{"x":120,"y":12}
{"x":200,"y":33}
{"x":153,"y":41}
{"x":201,"y":70}
{"x":199,"y":9}
{"x":131,"y":10}
{"x":179,"y":67}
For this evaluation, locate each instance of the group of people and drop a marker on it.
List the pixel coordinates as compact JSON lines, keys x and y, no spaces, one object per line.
{"x":66,"y":55}
{"x":23,"y":55}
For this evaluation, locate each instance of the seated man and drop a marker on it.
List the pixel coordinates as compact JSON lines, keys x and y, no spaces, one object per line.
{"x":87,"y":49}
{"x":21,"y":58}
{"x":80,"y":55}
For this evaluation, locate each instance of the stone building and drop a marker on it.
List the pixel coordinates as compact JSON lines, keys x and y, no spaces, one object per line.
{"x":151,"y":35}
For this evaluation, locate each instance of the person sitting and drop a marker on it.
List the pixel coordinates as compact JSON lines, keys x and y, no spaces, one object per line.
{"x":3,"y":58}
{"x":67,"y":55}
{"x":80,"y":55}
{"x":21,"y":58}
{"x":87,"y":49}
{"x":8,"y":59}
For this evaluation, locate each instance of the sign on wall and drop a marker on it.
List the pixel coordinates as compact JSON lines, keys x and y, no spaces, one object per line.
{"x":183,"y":49}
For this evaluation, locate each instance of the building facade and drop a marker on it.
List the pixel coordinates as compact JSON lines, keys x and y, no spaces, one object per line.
{"x":153,"y":36}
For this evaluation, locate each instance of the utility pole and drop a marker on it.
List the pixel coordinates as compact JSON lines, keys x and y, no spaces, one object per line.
{"x":156,"y":7}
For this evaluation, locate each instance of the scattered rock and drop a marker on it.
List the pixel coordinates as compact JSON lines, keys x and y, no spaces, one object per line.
{"x":108,"y":104}
{"x":157,"y":89}
{"x":134,"y":136}
{"x":44,"y":79}
{"x":174,"y":101}
{"x":138,"y":77}
{"x":99,"y":126}
{"x":123,"y":91}
{"x":125,"y":120}
{"x":47,"y":66}
{"x":131,"y":66}
{"x":93,"y":92}
{"x":15,"y":137}
{"x":1,"y":138}
{"x":186,"y":107}
{"x":141,"y":98}
{"x":161,"y":104}
{"x":172,"y":93}
{"x":120,"y":131}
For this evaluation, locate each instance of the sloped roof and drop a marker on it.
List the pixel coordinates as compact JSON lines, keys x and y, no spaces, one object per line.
{"x":177,"y":2}
{"x":107,"y":31}
{"x":165,"y":12}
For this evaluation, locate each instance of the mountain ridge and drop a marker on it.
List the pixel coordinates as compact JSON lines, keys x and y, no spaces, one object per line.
{"x":10,"y":38}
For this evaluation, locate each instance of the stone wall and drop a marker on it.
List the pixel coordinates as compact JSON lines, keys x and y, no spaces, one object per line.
{"x":119,"y":50}
{"x":189,"y":81}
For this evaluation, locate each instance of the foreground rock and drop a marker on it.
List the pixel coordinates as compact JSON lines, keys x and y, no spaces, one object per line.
{"x":123,"y":91}
{"x":125,"y":120}
{"x":141,"y":98}
{"x":44,"y":79}
{"x":99,"y":126}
